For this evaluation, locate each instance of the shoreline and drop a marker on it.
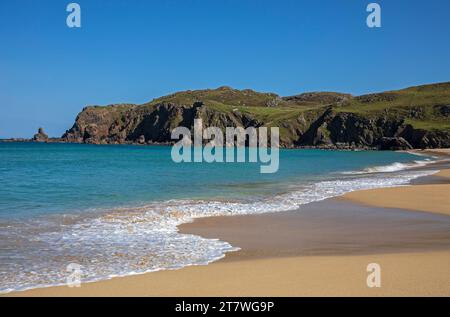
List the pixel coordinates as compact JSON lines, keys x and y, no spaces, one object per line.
{"x":260,"y":253}
{"x":333,"y":147}
{"x":443,"y":152}
{"x":319,"y":258}
{"x":436,"y":187}
{"x":404,"y":274}
{"x":435,"y":200}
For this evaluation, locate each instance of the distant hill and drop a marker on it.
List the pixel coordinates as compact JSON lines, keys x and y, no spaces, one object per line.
{"x":415,"y":117}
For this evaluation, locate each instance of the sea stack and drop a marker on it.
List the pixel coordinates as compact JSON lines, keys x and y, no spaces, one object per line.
{"x":40,"y":136}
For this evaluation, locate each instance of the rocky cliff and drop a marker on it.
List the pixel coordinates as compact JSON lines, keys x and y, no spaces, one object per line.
{"x":416,"y":117}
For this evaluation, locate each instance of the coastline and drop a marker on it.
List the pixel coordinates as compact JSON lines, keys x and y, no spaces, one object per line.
{"x":216,"y":156}
{"x":406,"y":274}
{"x":427,"y":196}
{"x":335,"y":147}
{"x":274,"y":262}
{"x":282,"y":255}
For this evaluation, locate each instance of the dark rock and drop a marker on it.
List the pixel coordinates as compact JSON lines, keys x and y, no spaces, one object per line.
{"x":141,"y":140}
{"x":393,"y":144}
{"x":323,"y":123}
{"x":40,"y":136}
{"x":324,"y":98}
{"x":445,"y":110}
{"x":369,"y":98}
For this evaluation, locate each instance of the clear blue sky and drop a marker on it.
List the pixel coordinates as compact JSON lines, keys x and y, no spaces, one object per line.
{"x":133,"y":51}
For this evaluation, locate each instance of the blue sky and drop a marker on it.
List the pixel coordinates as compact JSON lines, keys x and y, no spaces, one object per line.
{"x":134,"y":51}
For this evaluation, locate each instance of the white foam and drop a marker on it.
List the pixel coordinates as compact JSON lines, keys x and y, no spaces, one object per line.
{"x":143,"y":239}
{"x":394,"y":167}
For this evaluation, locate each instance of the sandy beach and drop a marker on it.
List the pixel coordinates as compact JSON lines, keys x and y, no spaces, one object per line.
{"x":433,"y":198}
{"x":179,"y":150}
{"x":322,"y":249}
{"x":424,"y":197}
{"x":405,"y":274}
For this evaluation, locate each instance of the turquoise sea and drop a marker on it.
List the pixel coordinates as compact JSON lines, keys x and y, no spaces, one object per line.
{"x":114,"y":210}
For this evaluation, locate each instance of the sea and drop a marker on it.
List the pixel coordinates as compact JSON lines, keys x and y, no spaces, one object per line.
{"x":113,"y":210}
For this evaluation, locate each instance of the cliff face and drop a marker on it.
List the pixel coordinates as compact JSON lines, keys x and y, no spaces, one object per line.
{"x":416,"y":117}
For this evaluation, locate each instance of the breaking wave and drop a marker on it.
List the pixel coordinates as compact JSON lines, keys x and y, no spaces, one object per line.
{"x":140,"y":239}
{"x":394,"y":167}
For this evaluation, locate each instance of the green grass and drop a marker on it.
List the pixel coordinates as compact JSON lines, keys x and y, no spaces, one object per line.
{"x":429,"y":124}
{"x":405,"y":103}
{"x":266,"y":114}
{"x":422,"y":96}
{"x":115,"y":112}
{"x":222,"y":95}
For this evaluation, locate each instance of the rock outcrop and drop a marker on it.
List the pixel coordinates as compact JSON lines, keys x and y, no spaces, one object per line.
{"x":40,"y":136}
{"x":395,"y":143}
{"x":385,"y":121}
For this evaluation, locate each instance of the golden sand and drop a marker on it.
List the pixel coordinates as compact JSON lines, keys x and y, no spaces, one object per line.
{"x":402,"y":274}
{"x":409,"y":274}
{"x":429,"y":198}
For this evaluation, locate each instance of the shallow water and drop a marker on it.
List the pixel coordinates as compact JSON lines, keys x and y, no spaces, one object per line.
{"x":115,"y":209}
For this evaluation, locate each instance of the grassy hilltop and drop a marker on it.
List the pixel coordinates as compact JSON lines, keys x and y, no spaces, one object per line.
{"x":411,"y":117}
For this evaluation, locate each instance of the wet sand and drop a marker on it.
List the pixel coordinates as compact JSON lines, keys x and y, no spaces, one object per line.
{"x":428,"y":194}
{"x":402,"y":274}
{"x":330,"y":227}
{"x":322,"y":249}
